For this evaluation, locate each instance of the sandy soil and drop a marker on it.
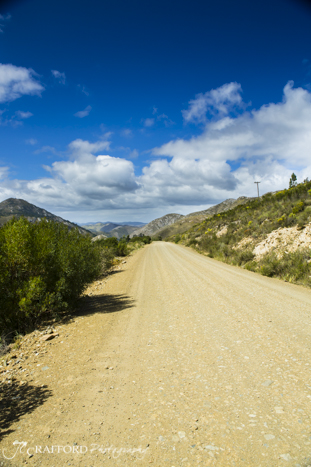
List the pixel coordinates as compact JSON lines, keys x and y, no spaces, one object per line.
{"x":176,"y":360}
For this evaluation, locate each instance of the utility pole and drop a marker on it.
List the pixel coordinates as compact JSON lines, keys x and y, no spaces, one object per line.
{"x":257,"y":188}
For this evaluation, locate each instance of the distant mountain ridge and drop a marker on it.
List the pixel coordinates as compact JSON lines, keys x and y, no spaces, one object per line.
{"x":157,"y":224}
{"x":172,"y":224}
{"x":112,"y":229}
{"x":13,"y":207}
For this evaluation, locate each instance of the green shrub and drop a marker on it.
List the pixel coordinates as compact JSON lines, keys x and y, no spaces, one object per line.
{"x":298,"y":207}
{"x":146,"y":239}
{"x":107,"y":257}
{"x":245,"y":256}
{"x":122,"y":249}
{"x":177,"y":238}
{"x":110,"y":242}
{"x":44,"y":268}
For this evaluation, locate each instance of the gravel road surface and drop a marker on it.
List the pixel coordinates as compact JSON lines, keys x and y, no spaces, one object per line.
{"x":176,"y":360}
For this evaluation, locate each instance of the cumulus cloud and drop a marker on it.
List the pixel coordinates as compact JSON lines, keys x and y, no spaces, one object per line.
{"x":61,"y":77}
{"x":84,"y":180}
{"x":83,"y":113}
{"x":265,"y":144}
{"x":18,"y":81}
{"x":217,"y":101}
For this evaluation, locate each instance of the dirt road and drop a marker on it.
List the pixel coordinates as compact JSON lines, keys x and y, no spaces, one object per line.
{"x":177,"y":360}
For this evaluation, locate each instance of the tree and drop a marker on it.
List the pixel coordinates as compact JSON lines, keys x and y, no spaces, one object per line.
{"x":292,"y":181}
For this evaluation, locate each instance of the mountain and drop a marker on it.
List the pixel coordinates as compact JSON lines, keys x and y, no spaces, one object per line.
{"x":173,"y":224}
{"x":156,"y":225}
{"x":13,"y":207}
{"x":112,"y":229}
{"x":134,"y":224}
{"x":186,"y":222}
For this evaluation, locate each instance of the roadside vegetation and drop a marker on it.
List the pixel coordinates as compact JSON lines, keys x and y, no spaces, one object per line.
{"x":44,"y":269}
{"x":221,"y":236}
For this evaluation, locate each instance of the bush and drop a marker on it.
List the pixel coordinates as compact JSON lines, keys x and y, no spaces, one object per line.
{"x":293,"y":267}
{"x":111,"y":242}
{"x":122,"y":249}
{"x":44,"y":268}
{"x":298,"y":207}
{"x":177,"y":238}
{"x":157,"y":238}
{"x":245,"y":256}
{"x":146,"y":239}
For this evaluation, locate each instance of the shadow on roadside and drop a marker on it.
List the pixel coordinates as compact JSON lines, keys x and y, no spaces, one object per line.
{"x":18,"y":400}
{"x":104,"y":303}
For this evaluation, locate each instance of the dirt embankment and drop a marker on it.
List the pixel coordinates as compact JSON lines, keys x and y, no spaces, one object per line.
{"x":177,"y":359}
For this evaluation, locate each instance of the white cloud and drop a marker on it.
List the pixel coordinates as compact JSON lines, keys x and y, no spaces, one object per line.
{"x":83,"y":113}
{"x":61,"y":77}
{"x":265,"y":144}
{"x":217,"y":101}
{"x":18,"y":81}
{"x":84,"y":180}
{"x":23,"y":115}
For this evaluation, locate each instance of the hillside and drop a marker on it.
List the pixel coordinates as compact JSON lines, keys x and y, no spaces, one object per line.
{"x":157,"y":224}
{"x":270,"y":235}
{"x":13,"y":207}
{"x":184,"y":223}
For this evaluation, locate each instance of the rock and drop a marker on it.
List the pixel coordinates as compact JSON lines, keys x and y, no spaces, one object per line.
{"x":48,"y":337}
{"x":181,"y":434}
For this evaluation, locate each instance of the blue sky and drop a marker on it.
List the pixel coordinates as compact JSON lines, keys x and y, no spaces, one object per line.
{"x":130,"y":110}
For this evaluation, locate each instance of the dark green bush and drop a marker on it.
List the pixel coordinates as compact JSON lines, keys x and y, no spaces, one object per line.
{"x":44,"y":268}
{"x":177,"y":238}
{"x":122,"y":249}
{"x":110,"y":242}
{"x":146,"y":239}
{"x":293,"y":267}
{"x":245,"y":256}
